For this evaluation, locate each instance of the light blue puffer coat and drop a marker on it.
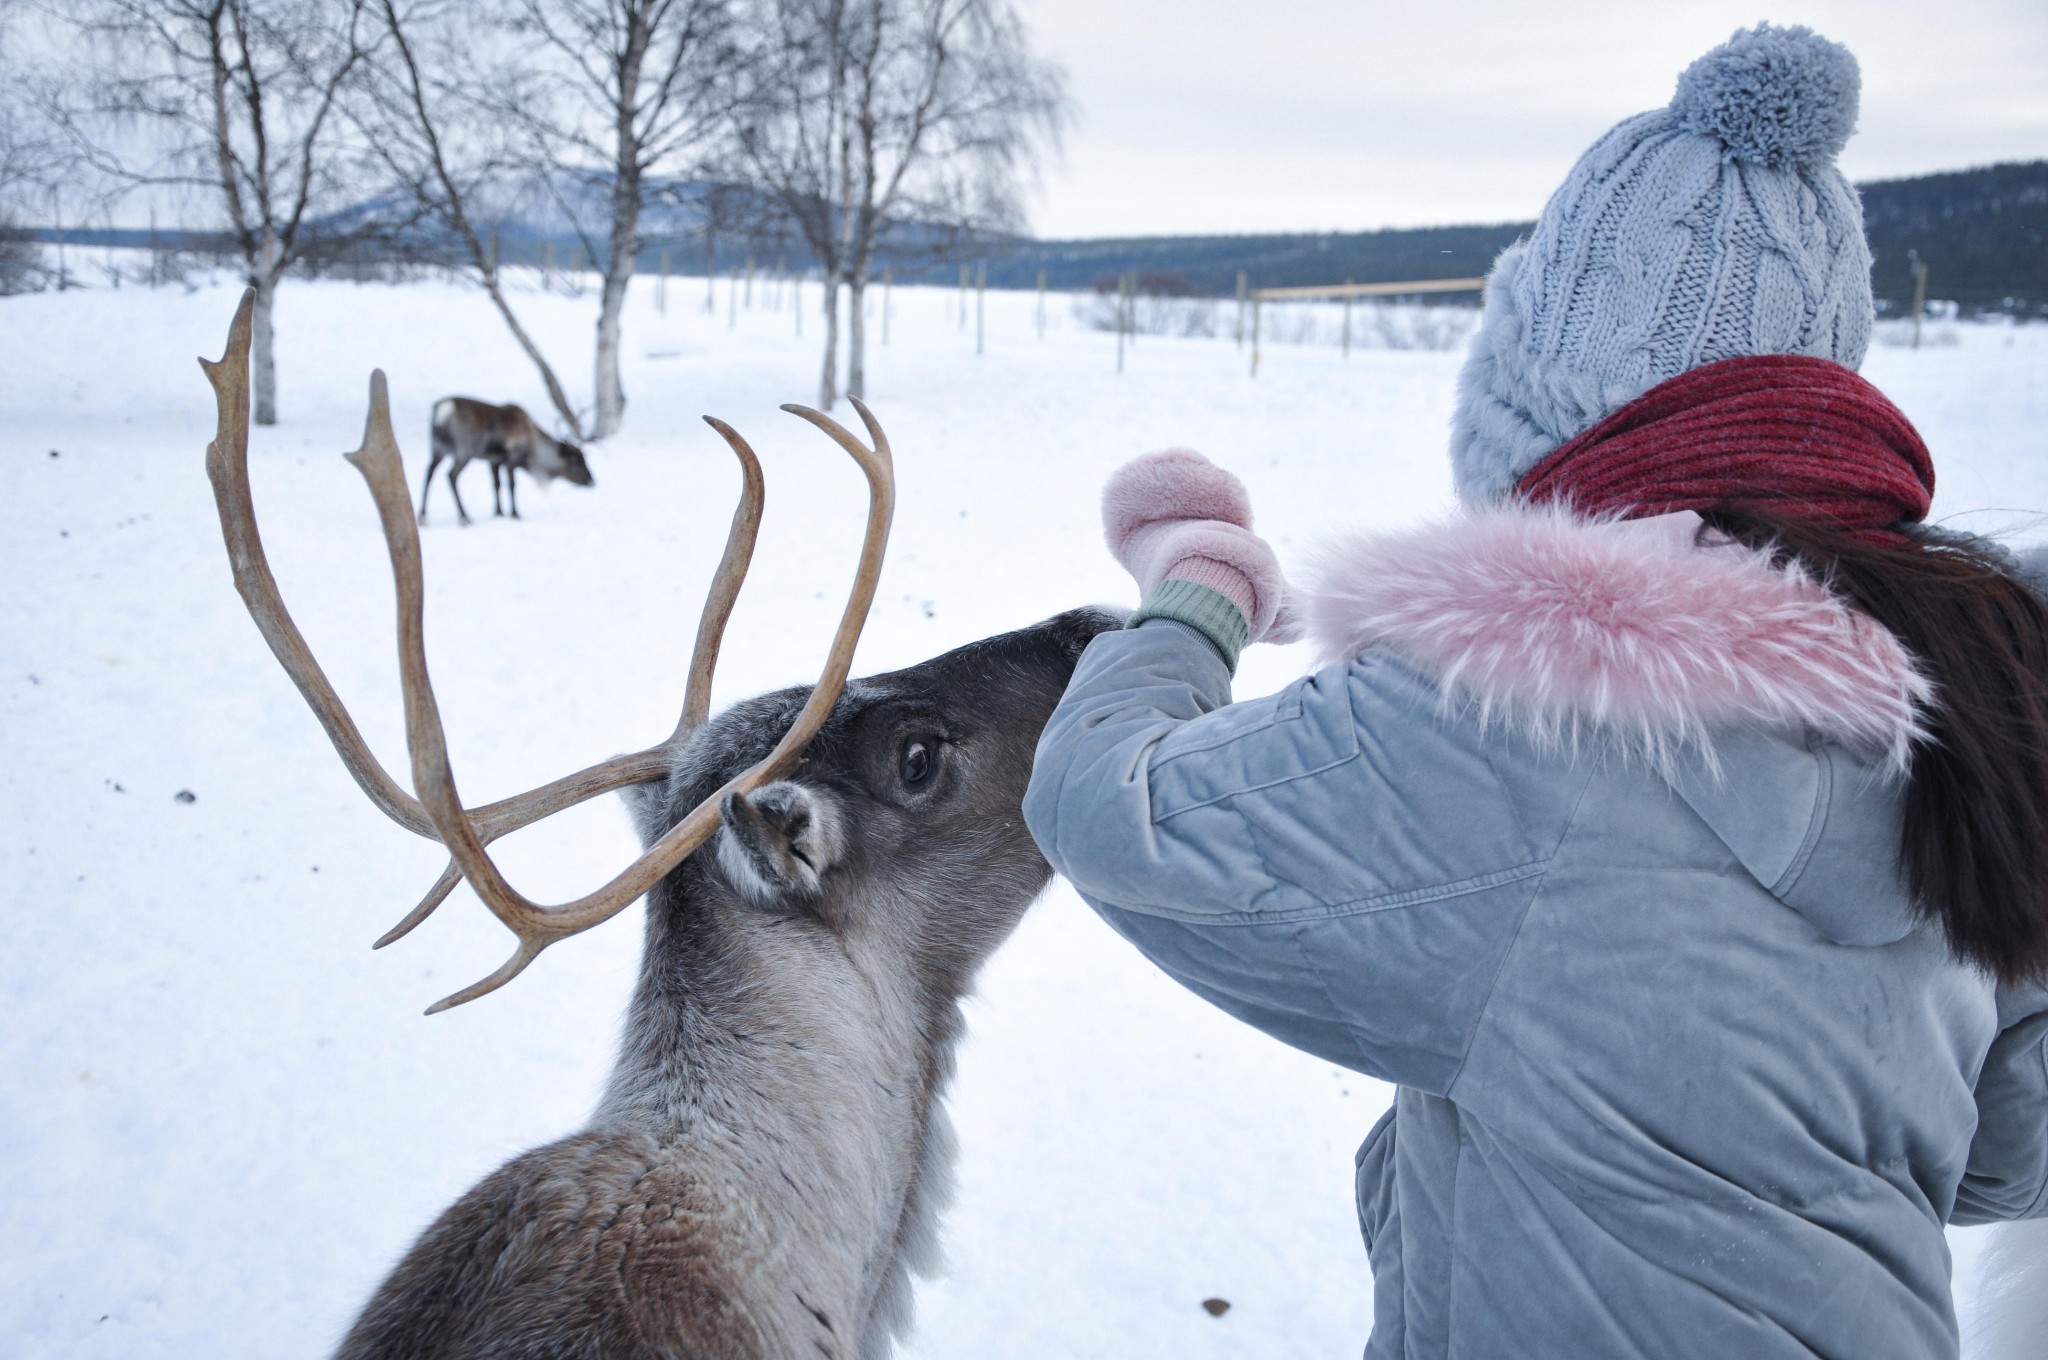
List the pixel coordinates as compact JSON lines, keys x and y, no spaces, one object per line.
{"x":1587,"y":842}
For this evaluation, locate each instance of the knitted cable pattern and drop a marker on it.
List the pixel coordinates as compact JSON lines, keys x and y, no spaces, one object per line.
{"x":1713,"y":228}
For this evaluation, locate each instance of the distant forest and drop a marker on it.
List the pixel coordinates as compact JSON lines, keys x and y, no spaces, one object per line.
{"x":1982,"y":232}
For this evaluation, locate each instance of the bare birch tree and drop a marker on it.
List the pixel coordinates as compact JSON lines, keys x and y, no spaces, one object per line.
{"x":237,"y":98}
{"x":30,"y":161}
{"x":445,"y":151}
{"x":476,"y":105}
{"x":871,"y":120}
{"x":27,"y":151}
{"x":614,"y":92}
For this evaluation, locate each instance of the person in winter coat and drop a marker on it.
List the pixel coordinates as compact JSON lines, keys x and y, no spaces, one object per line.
{"x":1671,"y":827}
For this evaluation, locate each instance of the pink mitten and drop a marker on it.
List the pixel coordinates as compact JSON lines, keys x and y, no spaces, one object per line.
{"x":1177,"y":516}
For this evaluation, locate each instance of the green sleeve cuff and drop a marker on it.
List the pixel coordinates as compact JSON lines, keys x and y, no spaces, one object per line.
{"x":1208,"y":612}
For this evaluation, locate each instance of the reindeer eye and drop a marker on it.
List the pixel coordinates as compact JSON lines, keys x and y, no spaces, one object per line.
{"x":917,"y":762}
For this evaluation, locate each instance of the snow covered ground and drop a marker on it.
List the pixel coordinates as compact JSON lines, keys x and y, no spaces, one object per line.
{"x":222,"y":1117}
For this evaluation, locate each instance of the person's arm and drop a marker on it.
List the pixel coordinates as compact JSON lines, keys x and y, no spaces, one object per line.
{"x":1332,"y":864}
{"x":2008,"y":1169}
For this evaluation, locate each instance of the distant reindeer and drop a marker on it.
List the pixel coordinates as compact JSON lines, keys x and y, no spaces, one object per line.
{"x":464,"y":429}
{"x":770,"y":1155}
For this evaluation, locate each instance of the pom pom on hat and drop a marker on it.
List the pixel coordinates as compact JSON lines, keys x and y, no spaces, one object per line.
{"x":1777,"y":97}
{"x":1605,"y":300}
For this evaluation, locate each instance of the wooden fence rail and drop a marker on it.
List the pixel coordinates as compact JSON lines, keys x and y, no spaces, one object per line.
{"x":1347,"y":291}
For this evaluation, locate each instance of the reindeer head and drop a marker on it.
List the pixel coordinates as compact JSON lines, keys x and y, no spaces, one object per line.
{"x":905,"y":765}
{"x":559,"y":458}
{"x":902,"y":824}
{"x":572,"y":466}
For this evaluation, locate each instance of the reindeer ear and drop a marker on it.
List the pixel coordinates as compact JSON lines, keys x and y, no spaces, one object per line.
{"x":776,"y":845}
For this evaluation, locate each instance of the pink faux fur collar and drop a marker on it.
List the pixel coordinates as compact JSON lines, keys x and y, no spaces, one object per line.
{"x":1629,"y":630}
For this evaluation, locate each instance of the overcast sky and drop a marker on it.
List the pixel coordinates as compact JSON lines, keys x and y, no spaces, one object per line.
{"x":1303,"y":115}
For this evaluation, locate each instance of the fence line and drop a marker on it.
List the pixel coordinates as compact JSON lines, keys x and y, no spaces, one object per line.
{"x":1346,"y":291}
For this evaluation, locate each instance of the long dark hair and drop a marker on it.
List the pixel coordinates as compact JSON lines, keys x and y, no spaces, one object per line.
{"x":1974,"y":850}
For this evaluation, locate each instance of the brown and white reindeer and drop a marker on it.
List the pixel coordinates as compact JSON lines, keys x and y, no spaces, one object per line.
{"x":463,"y":430}
{"x":767,"y":1163}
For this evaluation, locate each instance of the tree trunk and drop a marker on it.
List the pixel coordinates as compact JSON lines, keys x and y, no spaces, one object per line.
{"x":611,"y":395}
{"x":263,"y":374}
{"x":828,"y":381}
{"x":263,"y":368}
{"x":856,"y":336}
{"x":618,"y":276}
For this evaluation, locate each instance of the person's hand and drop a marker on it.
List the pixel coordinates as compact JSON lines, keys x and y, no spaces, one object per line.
{"x":1176,"y":516}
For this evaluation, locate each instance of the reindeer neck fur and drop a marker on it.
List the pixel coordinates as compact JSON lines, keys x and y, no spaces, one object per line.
{"x":798,"y":1072}
{"x":769,"y":1159}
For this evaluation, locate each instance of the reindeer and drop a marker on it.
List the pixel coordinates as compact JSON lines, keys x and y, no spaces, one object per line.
{"x":765,"y":1168}
{"x":464,"y":429}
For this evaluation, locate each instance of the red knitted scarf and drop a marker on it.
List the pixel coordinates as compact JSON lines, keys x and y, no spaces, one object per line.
{"x":1780,"y":435}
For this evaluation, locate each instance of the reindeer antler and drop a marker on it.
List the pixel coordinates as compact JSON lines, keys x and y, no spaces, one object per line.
{"x":437,"y":812}
{"x":508,"y":815}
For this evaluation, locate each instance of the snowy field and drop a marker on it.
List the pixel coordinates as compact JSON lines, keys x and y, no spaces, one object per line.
{"x":222,"y":1117}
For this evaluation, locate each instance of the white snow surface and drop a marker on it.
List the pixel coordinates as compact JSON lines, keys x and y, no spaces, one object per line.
{"x":224,"y":1117}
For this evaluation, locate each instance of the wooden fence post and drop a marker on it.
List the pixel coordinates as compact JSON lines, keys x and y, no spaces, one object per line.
{"x":1347,"y":321}
{"x":963,"y":297}
{"x":1123,"y":283}
{"x":1241,"y":285}
{"x":1919,"y":293}
{"x":547,"y":266}
{"x":661,"y":289}
{"x":750,"y":283}
{"x":1256,"y":303}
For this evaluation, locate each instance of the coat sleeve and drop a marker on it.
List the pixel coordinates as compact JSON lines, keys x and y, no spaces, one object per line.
{"x":1335,"y":864}
{"x":2007,"y":1177}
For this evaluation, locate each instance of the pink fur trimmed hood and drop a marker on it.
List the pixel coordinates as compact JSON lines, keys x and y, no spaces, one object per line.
{"x":1632,"y":630}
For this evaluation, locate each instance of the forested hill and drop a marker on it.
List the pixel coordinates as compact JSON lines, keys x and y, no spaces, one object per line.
{"x":1983,"y":233}
{"x":1209,"y":264}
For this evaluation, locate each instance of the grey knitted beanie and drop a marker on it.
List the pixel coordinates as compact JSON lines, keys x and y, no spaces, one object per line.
{"x":1714,"y":227}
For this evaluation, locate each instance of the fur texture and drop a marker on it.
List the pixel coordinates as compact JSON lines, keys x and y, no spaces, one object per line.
{"x":1628,"y":632}
{"x":779,"y":843}
{"x":1176,"y":515}
{"x":767,"y":1165}
{"x":1171,"y":484}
